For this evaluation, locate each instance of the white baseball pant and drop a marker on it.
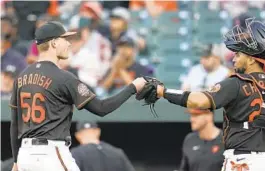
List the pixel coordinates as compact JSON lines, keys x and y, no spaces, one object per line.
{"x":55,"y":156}
{"x":244,"y":162}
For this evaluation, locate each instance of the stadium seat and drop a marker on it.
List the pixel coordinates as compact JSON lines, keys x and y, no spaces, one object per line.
{"x":255,"y":12}
{"x":170,"y":75}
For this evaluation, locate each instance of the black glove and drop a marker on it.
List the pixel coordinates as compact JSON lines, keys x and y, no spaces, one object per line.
{"x":149,"y":93}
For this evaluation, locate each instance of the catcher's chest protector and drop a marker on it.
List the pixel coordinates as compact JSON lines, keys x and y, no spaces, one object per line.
{"x":251,"y":94}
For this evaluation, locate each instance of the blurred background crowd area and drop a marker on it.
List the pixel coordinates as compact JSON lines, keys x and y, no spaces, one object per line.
{"x":179,"y":42}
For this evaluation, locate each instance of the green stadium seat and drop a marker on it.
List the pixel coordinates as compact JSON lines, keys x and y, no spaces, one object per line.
{"x":169,"y":75}
{"x":255,"y":12}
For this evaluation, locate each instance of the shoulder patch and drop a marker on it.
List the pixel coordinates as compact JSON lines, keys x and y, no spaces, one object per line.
{"x":83,"y":90}
{"x":215,"y":88}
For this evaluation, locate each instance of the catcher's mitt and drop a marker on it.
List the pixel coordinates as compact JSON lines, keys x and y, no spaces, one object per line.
{"x":149,"y":93}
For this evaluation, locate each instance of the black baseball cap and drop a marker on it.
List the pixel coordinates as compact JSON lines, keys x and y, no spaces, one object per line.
{"x":49,"y":31}
{"x":10,"y":69}
{"x":86,"y":125}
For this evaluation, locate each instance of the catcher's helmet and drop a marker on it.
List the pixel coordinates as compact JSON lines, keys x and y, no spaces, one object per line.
{"x":250,"y":41}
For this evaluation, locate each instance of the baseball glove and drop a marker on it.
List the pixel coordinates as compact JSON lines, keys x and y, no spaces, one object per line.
{"x":149,"y":93}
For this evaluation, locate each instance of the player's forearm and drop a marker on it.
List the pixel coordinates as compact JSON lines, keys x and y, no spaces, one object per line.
{"x":186,"y":98}
{"x":14,"y":134}
{"x":177,"y":97}
{"x":106,"y":106}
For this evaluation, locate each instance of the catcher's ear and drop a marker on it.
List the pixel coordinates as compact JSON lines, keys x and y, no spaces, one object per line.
{"x":251,"y":60}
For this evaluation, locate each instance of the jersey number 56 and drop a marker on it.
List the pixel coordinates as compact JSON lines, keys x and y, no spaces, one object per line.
{"x":33,"y":107}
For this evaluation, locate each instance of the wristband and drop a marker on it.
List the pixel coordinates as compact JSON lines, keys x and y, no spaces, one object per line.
{"x":178,"y":97}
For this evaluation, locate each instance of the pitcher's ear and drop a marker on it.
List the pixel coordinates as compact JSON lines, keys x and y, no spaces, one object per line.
{"x":53,"y":43}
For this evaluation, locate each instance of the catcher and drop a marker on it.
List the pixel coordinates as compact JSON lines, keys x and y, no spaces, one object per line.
{"x":241,"y":95}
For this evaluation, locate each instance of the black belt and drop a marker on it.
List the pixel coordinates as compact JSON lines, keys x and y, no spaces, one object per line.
{"x":37,"y":141}
{"x":40,"y":141}
{"x":240,"y":125}
{"x":238,"y":152}
{"x":249,"y":125}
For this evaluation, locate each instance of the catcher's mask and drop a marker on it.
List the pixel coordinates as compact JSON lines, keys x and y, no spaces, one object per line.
{"x":250,"y":41}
